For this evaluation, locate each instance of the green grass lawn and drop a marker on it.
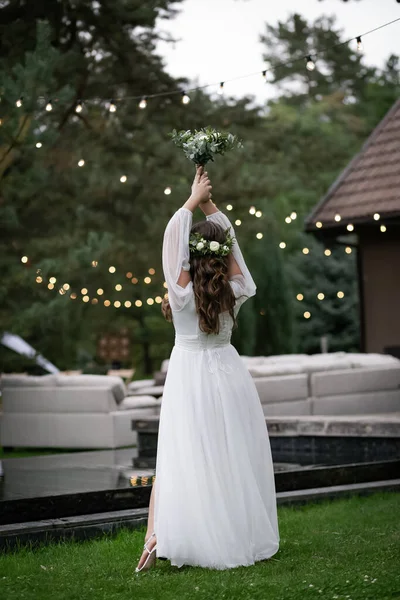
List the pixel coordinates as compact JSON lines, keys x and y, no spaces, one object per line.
{"x":345,"y":549}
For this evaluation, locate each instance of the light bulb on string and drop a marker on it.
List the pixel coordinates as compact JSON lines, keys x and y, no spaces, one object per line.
{"x":49,"y":106}
{"x":167,"y":191}
{"x":19,"y":102}
{"x":359,"y":44}
{"x":221,"y":88}
{"x":78,"y":107}
{"x":123,"y":178}
{"x":310,"y":64}
{"x":185,"y":98}
{"x":293,"y":216}
{"x":338,"y":218}
{"x":288,"y":220}
{"x":143,"y":103}
{"x":350,"y":227}
{"x":81,"y":162}
{"x":318,"y":224}
{"x":38,"y":144}
{"x":112,"y":106}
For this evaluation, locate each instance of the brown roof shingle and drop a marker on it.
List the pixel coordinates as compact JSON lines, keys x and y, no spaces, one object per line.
{"x":371,"y":181}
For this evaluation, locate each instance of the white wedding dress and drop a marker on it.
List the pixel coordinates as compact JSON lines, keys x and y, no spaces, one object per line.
{"x":215,"y":501}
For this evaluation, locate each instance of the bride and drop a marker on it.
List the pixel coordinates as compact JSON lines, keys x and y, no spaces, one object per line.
{"x":213,"y":502}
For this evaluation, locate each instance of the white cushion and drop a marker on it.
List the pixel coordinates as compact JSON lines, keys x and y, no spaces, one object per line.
{"x":357,"y":404}
{"x":352,"y":381}
{"x":282,"y":389}
{"x":139,"y":402}
{"x":155,"y":390}
{"x":139,"y":383}
{"x":116,"y":384}
{"x":8,"y":381}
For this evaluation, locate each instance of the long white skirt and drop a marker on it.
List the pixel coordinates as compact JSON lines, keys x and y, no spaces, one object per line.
{"x":215,"y":500}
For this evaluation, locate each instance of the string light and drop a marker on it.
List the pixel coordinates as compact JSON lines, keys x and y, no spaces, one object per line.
{"x":288,"y":220}
{"x":118,"y":287}
{"x":19,"y":102}
{"x":238,"y":222}
{"x":300,"y":297}
{"x":83,"y":291}
{"x":310,"y":64}
{"x":185,"y":98}
{"x":73,"y":296}
{"x":147,"y":279}
{"x":350,"y":227}
{"x":52,"y":280}
{"x":50,"y":286}
{"x":24,"y":259}
{"x":259,"y":236}
{"x":150,"y":301}
{"x":377,"y":216}
{"x":111,"y":269}
{"x":117,"y":304}
{"x":282,"y":245}
{"x":95,"y":301}
{"x":258,"y":213}
{"x":39,"y":279}
{"x":123,"y":178}
{"x":66,"y":286}
{"x":158,"y":299}
{"x":307,"y":314}
{"x":229,"y":207}
{"x":112,"y":106}
{"x":94,"y":263}
{"x":81,"y":162}
{"x":318,"y":224}
{"x":338,"y":218}
{"x":359,"y":44}
{"x":327,"y":252}
{"x":100,"y":291}
{"x":49,"y":106}
{"x":135,"y":280}
{"x":305,"y":251}
{"x":293,"y":216}
{"x":107,"y":303}
{"x":321,"y":296}
{"x":348,"y":250}
{"x":127,"y":303}
{"x":129,"y":275}
{"x":85,"y":298}
{"x":152,"y":271}
{"x":383,"y":228}
{"x":221,"y":88}
{"x":252,"y":210}
{"x":138,"y":303}
{"x":38,"y":144}
{"x":143,"y":103}
{"x":78,"y":107}
{"x":167,"y":191}
{"x":340,"y":294}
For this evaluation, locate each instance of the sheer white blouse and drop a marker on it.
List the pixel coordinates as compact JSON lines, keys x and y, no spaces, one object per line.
{"x":176,"y":256}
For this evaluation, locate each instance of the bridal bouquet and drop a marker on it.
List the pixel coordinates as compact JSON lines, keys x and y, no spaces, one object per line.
{"x":202,"y":145}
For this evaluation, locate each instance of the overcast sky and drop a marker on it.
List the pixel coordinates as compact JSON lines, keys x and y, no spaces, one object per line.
{"x":219,"y":39}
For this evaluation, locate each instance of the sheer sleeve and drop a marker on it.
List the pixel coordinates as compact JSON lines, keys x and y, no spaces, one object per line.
{"x":175,"y":256}
{"x":243,"y":285}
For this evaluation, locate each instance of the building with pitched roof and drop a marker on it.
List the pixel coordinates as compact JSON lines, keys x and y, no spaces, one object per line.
{"x":362,"y":209}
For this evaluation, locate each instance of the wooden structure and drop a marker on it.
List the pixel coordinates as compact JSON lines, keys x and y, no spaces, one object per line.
{"x":362,"y":208}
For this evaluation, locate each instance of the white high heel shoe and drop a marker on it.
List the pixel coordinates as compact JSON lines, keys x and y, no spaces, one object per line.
{"x":151,"y":559}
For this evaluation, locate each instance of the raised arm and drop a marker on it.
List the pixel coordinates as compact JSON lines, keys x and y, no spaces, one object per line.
{"x":239,"y":274}
{"x":175,"y":249}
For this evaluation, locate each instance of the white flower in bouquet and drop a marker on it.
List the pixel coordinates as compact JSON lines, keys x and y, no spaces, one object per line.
{"x":202,"y":145}
{"x":200,"y":246}
{"x":214,"y":246}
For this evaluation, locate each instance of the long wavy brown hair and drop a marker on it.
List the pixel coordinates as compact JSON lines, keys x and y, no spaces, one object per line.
{"x":212,"y":291}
